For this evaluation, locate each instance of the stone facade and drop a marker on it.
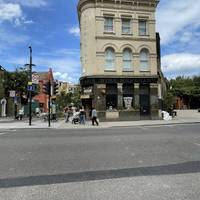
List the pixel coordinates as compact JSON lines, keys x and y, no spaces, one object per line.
{"x":111,"y":30}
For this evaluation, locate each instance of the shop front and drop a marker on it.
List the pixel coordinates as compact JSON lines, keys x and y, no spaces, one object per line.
{"x":121,"y":98}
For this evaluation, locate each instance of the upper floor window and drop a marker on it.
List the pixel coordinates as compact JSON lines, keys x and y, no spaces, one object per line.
{"x":108,"y":24}
{"x":109,"y":59}
{"x":126,"y":26}
{"x":144,"y":60}
{"x":142,"y":27}
{"x":127,"y":60}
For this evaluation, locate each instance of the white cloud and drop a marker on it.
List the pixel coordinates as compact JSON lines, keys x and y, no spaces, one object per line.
{"x":30,"y":3}
{"x":65,"y":77}
{"x":10,"y":12}
{"x":174,"y":17}
{"x":65,"y":67}
{"x":28,"y":22}
{"x":75,"y":31}
{"x":181,"y":64}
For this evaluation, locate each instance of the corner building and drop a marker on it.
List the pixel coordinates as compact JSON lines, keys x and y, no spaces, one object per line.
{"x":120,"y":57}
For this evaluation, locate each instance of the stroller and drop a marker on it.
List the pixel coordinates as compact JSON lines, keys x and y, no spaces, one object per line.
{"x":75,"y":118}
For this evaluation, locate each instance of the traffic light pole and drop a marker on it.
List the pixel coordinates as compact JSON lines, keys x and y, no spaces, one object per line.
{"x":30,"y":92}
{"x":49,"y":103}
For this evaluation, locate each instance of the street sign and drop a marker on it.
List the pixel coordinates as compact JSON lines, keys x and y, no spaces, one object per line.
{"x":31,"y":88}
{"x":30,"y":83}
{"x":35,"y":78}
{"x":12,"y":93}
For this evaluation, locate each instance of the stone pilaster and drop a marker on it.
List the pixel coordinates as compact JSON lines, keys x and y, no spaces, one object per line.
{"x":136,"y":96}
{"x":154,"y":101}
{"x":120,"y":96}
{"x":100,"y":97}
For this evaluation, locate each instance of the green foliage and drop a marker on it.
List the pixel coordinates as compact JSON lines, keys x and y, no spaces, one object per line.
{"x":18,"y":81}
{"x":188,"y":89}
{"x":169,"y":100}
{"x":186,"y":86}
{"x":66,"y":99}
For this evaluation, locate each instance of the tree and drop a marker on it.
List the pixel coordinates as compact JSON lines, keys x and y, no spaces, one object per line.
{"x":67,"y":99}
{"x":169,"y":100}
{"x":187,"y":88}
{"x":18,"y":81}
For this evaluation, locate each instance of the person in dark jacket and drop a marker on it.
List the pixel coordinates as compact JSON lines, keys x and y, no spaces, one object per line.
{"x":82,"y":116}
{"x":94,"y":117}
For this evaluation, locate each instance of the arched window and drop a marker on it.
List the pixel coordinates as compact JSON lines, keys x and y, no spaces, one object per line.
{"x":109,"y":59}
{"x":127,"y":60}
{"x":144,"y":60}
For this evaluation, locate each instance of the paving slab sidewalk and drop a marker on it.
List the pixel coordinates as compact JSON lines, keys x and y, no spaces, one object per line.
{"x":88,"y":125}
{"x":184,"y":117}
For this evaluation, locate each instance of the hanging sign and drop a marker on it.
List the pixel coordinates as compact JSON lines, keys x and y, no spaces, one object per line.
{"x":128,"y":102}
{"x":12,"y":93}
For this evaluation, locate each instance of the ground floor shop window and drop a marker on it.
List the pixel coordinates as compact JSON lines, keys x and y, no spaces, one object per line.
{"x":111,"y":96}
{"x":111,"y":101}
{"x":128,"y":94}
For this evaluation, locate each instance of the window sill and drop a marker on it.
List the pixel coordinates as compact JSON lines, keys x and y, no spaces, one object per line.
{"x":109,"y":33}
{"x":127,"y":34}
{"x":128,"y":71}
{"x":107,"y":70}
{"x":144,"y":35}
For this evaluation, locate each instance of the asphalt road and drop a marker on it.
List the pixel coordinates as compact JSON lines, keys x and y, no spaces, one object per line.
{"x":148,"y":163}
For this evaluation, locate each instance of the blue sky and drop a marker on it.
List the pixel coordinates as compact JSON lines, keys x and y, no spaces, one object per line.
{"x":51,"y":28}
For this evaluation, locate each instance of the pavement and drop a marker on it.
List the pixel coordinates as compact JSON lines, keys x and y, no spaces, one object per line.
{"x":183,"y":117}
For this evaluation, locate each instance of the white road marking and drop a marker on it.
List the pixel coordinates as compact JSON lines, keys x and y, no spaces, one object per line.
{"x":6,"y":131}
{"x":197,"y":144}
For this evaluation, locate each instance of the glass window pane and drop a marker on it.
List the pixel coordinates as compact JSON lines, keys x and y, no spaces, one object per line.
{"x":142,"y":27}
{"x":144,"y":66}
{"x":144,"y":60}
{"x":108,"y":26}
{"x":126,"y":26}
{"x":127,"y":60}
{"x":109,"y":59}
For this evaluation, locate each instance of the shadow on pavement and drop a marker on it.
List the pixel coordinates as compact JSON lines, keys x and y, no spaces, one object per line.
{"x":181,"y":168}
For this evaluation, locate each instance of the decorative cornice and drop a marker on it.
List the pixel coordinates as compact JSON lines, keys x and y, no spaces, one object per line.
{"x":126,"y":3}
{"x":113,"y":37}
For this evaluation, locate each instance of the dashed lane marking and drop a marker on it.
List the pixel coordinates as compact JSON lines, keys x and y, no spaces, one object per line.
{"x":6,"y":131}
{"x":197,"y":144}
{"x":2,"y":133}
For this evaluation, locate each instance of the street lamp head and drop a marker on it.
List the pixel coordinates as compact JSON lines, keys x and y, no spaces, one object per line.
{"x":30,"y":48}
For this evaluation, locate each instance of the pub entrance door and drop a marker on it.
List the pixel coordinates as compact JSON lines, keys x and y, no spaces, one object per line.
{"x":144,"y":102}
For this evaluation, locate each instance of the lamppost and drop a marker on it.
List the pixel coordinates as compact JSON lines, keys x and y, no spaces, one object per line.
{"x":30,"y":65}
{"x":30,"y":92}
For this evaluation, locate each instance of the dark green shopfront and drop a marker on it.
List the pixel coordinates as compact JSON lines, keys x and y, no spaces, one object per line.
{"x":122,"y":98}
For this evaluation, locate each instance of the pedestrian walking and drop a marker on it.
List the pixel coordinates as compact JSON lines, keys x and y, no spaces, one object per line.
{"x":21,"y":113}
{"x":82,"y":115}
{"x":94,"y":117}
{"x":66,"y":114}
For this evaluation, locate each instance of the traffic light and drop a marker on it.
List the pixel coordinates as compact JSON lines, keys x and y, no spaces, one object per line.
{"x":55,"y":87}
{"x":46,"y":87}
